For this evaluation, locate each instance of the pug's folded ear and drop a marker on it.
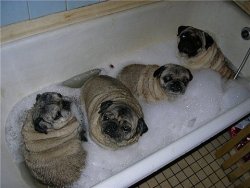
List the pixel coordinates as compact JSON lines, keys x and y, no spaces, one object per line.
{"x":209,"y":41}
{"x":190,"y":75}
{"x":38,"y":97}
{"x":105,"y":105}
{"x":181,"y":28}
{"x":141,"y":127}
{"x":159,"y":71}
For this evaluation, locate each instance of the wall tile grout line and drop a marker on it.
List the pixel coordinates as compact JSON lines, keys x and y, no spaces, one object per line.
{"x":27,"y":3}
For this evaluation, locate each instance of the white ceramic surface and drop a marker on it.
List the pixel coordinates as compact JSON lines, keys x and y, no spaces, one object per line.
{"x":31,"y":64}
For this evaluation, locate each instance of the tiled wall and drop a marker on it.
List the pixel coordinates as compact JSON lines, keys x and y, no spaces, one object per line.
{"x":15,"y":11}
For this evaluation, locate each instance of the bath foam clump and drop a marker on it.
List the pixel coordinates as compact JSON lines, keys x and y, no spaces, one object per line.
{"x":206,"y":97}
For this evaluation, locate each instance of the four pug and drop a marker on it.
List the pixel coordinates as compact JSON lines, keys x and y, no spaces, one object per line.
{"x":114,"y":115}
{"x":154,"y":83}
{"x":200,"y":51}
{"x":52,"y":146}
{"x":51,"y":133}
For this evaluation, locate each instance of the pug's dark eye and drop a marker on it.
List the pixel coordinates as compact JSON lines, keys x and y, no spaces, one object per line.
{"x":167,"y":78}
{"x":105,"y":118}
{"x":58,"y":115}
{"x":126,"y":129}
{"x":183,"y":36}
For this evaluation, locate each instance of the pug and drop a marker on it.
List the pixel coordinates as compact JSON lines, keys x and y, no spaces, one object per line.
{"x":153,"y":83}
{"x":201,"y":51}
{"x":115,"y":117}
{"x":52,"y":146}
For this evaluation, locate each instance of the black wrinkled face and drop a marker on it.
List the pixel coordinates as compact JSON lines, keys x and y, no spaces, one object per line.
{"x":51,"y":110}
{"x":189,"y":43}
{"x":192,"y":40}
{"x":174,"y":79}
{"x":119,"y":123}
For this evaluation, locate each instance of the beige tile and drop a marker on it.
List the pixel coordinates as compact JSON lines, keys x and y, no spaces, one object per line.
{"x":188,"y":171}
{"x":158,"y":186}
{"x":182,"y":164}
{"x":201,"y":175}
{"x":168,"y":173}
{"x":227,"y":171}
{"x":209,"y":158}
{"x":219,"y":184}
{"x":195,"y":167}
{"x":199,"y":185}
{"x":194,"y":179}
{"x":220,"y":173}
{"x":165,"y":184}
{"x":152,"y":182}
{"x":214,"y":165}
{"x":207,"y":183}
{"x":203,"y":151}
{"x":175,"y":168}
{"x":209,"y":147}
{"x":226,"y":181}
{"x":221,"y":139}
{"x":213,"y":178}
{"x":144,"y":185}
{"x":178,"y":186}
{"x":196,"y":155}
{"x":190,"y":159}
{"x":202,"y":162}
{"x":216,"y":143}
{"x":220,"y":161}
{"x":160,"y":178}
{"x":181,"y":176}
{"x":173,"y":181}
{"x":187,"y":184}
{"x":213,"y":154}
{"x":208,"y":170}
{"x":227,"y":136}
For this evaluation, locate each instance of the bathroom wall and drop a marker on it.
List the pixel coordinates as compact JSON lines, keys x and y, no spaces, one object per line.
{"x":21,"y":10}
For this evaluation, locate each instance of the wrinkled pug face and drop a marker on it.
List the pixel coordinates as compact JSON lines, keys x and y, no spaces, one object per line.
{"x":192,"y":40}
{"x":173,"y":78}
{"x":119,"y":123}
{"x":51,"y":111}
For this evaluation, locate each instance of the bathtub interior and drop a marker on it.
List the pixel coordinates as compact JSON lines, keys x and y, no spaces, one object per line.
{"x":116,"y":39}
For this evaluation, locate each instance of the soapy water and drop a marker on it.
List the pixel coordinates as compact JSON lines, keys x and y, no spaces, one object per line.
{"x":206,"y":97}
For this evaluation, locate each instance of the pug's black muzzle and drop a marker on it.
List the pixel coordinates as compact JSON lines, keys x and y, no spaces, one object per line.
{"x":111,"y":129}
{"x":176,"y":87}
{"x":188,"y":48}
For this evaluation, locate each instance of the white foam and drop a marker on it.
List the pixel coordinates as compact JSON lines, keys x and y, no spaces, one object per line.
{"x":206,"y":97}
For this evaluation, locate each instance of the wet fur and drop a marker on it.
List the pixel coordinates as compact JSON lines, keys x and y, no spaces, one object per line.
{"x":106,"y":96}
{"x":146,"y":81}
{"x":205,"y":55}
{"x":55,"y":157}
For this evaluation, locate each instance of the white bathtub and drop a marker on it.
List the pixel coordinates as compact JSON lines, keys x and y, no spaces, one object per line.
{"x":31,"y":64}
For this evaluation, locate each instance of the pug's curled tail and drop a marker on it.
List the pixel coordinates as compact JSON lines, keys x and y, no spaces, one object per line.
{"x":79,"y":80}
